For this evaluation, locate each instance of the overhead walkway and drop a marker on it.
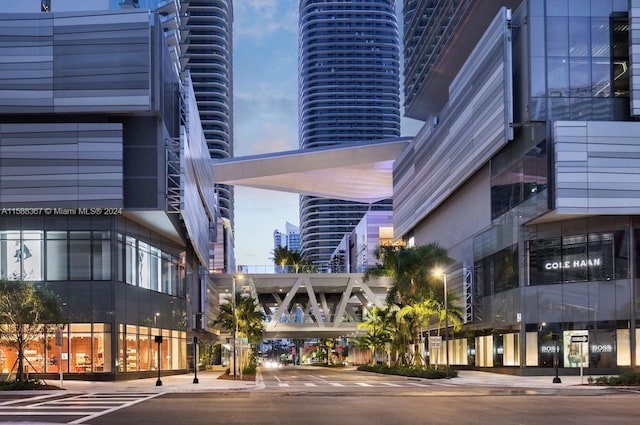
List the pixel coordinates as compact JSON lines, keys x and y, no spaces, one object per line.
{"x":310,"y":305}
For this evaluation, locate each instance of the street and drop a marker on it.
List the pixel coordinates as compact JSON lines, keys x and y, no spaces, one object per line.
{"x":310,"y":396}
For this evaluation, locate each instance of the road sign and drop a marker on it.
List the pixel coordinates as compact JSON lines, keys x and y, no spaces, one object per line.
{"x":579,"y":338}
{"x":435,"y":341}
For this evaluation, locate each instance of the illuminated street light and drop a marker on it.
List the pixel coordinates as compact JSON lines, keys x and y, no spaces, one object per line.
{"x":446,"y":320}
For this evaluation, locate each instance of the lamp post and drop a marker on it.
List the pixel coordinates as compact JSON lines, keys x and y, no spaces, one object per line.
{"x":555,"y":337}
{"x":195,"y":360}
{"x":446,"y":325}
{"x":235,"y":321}
{"x":158,"y":340}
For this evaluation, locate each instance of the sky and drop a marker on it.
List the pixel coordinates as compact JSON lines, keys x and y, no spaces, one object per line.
{"x":265,"y":84}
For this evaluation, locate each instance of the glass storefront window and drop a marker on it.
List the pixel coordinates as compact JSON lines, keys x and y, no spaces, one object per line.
{"x":130,"y":261}
{"x":80,"y":347}
{"x":21,"y":255}
{"x":101,"y":256}
{"x":101,"y":352}
{"x":57,"y":255}
{"x":146,"y":360}
{"x":132,"y":355}
{"x":576,"y":258}
{"x":79,"y":255}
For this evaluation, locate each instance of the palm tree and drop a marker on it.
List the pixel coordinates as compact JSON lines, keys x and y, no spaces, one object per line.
{"x":249,"y":320}
{"x":289,"y":261}
{"x":413,"y":291}
{"x":417,"y":317}
{"x":378,"y":335}
{"x":410,"y":269}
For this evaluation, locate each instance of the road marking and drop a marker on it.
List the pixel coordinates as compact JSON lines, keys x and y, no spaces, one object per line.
{"x":84,"y":406}
{"x":363,"y":384}
{"x":310,"y":384}
{"x":389,"y":384}
{"x":336,"y":384}
{"x":283,"y":384}
{"x":416,"y":384}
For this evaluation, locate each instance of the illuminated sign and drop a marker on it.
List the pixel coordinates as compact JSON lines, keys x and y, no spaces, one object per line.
{"x":602,"y":348}
{"x":575,"y":264}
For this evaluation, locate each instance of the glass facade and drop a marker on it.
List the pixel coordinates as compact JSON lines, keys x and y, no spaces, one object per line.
{"x":119,"y":285}
{"x":579,"y":63}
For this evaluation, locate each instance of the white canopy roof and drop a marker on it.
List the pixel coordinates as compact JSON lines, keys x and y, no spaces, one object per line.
{"x":359,"y":171}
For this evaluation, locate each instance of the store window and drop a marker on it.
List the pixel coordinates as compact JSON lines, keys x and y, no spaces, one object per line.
{"x":21,"y":255}
{"x":576,"y":258}
{"x":147,"y":266}
{"x":57,"y":255}
{"x":132,"y":361}
{"x":80,"y":347}
{"x":101,"y":347}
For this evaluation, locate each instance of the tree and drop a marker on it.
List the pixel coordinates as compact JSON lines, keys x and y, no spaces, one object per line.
{"x":377,"y":335}
{"x":417,"y":317}
{"x":28,"y":311}
{"x":249,"y":319}
{"x":288,"y":261}
{"x":416,"y":294}
{"x":410,"y":268}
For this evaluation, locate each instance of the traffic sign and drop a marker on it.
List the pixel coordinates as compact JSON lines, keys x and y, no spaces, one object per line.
{"x":579,"y":338}
{"x":435,"y":341}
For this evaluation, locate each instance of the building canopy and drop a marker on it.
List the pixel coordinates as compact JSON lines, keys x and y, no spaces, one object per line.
{"x":361,"y":171}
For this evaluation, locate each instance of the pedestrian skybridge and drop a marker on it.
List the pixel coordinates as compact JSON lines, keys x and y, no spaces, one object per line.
{"x":310,"y":305}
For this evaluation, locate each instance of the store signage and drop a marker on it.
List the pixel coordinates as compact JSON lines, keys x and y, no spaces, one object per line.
{"x":549,"y":349}
{"x":602,"y":348}
{"x":575,"y":264}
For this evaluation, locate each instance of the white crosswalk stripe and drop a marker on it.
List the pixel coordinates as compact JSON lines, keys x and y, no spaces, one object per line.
{"x":83,"y":407}
{"x":363,"y":384}
{"x":310,"y":384}
{"x":336,"y":384}
{"x":283,"y":384}
{"x":389,"y":384}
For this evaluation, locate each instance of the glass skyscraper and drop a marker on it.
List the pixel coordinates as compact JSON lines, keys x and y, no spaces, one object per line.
{"x":348,"y":91}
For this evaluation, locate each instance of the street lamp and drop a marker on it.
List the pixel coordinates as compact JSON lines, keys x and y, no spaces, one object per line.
{"x":195,"y":360}
{"x":556,"y":361}
{"x":446,"y":321}
{"x":158,"y":340}
{"x":235,"y":321}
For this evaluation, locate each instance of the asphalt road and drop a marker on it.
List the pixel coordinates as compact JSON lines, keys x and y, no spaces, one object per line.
{"x":325,"y":396}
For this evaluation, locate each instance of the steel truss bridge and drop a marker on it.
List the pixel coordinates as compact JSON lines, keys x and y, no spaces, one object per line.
{"x":310,"y":305}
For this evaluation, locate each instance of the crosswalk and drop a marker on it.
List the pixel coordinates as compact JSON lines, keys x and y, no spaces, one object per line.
{"x":368,"y":384}
{"x":69,"y":408}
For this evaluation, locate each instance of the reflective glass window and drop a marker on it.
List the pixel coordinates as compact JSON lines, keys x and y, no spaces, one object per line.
{"x":79,"y":255}
{"x":558,"y":36}
{"x":558,"y":76}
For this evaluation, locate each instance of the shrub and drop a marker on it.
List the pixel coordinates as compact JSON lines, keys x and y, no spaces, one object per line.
{"x":250,"y":369}
{"x":625,"y":378}
{"x":17,"y":385}
{"x":414,"y":372}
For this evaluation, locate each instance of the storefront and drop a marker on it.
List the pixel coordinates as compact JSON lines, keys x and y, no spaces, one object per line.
{"x":119,"y":285}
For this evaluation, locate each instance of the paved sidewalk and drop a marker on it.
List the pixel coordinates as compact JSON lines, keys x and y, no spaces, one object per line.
{"x":208,"y":381}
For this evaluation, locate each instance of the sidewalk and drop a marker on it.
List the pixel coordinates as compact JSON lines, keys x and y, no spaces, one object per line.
{"x":471,"y":377}
{"x":208,"y":381}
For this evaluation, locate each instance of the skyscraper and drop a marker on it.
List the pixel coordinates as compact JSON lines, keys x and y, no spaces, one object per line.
{"x":209,"y":60}
{"x":348,"y":91}
{"x":290,"y":238}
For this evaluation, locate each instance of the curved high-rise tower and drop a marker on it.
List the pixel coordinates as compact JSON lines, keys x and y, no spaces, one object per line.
{"x":209,"y":56}
{"x":348,"y":91}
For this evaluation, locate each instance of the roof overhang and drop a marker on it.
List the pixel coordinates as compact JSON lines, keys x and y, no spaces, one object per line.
{"x":361,"y":172}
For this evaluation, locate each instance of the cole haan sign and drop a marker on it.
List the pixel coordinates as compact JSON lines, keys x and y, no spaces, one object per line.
{"x":575,"y":264}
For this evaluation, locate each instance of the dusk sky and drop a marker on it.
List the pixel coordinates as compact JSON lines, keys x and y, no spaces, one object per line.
{"x":266,"y":116}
